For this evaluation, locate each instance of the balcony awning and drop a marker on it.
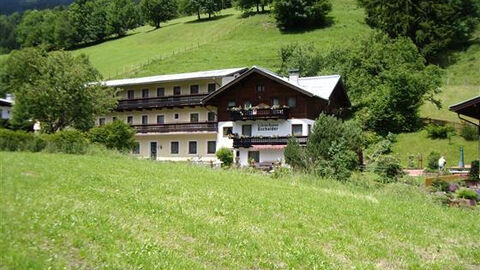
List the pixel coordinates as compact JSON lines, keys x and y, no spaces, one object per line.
{"x":268,"y":147}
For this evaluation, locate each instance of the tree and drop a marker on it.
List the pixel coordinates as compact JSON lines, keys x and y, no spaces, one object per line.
{"x":89,"y":19}
{"x":294,"y":14}
{"x":56,"y":89}
{"x":8,"y":34}
{"x":211,"y":7}
{"x":433,"y":25}
{"x":387,"y":81}
{"x":158,"y":11}
{"x":121,"y":16}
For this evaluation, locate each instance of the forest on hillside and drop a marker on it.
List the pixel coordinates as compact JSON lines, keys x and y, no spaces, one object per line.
{"x":10,"y":6}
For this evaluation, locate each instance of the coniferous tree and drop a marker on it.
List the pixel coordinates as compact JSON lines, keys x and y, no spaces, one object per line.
{"x":433,"y":25}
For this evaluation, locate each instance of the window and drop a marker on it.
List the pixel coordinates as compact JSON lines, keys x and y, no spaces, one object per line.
{"x":292,"y":102}
{"x":177,"y":90}
{"x":309,"y":129}
{"x":260,"y":88}
{"x":145,"y":93}
{"x":275,"y":102}
{"x":174,"y":147}
{"x":144,"y":119}
{"x":194,"y":117}
{"x":231,"y":104}
{"x":211,"y":147}
{"x":211,"y":87}
{"x":160,"y":119}
{"x":175,"y":116}
{"x":227,"y":131}
{"x":136,"y":148}
{"x":192,"y":147}
{"x":255,"y":155}
{"x":297,"y":130}
{"x":101,"y":121}
{"x":130,"y":94}
{"x":211,"y":117}
{"x":247,"y":130}
{"x":160,"y":92}
{"x":114,"y":118}
{"x":193,"y":89}
{"x":247,"y":104}
{"x":130,"y":120}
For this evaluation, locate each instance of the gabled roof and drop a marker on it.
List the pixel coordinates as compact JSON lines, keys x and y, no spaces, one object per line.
{"x":176,"y":77}
{"x":318,"y":86}
{"x":469,"y":107}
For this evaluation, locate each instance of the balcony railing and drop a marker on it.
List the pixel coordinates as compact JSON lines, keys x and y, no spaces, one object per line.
{"x":247,"y":142}
{"x":159,"y":102}
{"x":259,"y":113}
{"x":177,"y":127}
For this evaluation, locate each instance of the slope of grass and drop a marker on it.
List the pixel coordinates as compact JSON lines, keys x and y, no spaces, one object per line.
{"x":114,"y":212}
{"x":418,"y":143}
{"x":228,"y":41}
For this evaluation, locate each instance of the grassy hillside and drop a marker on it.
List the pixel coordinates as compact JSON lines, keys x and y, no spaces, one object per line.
{"x":228,"y":41}
{"x":418,"y":143}
{"x":113,"y":212}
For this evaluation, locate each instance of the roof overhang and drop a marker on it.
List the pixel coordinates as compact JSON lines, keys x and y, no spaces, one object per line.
{"x":6,"y":102}
{"x":209,"y":74}
{"x":470,"y":108}
{"x":262,"y":72}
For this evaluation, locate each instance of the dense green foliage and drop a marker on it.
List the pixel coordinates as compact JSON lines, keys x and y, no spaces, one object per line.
{"x":11,"y":6}
{"x":474,"y":170}
{"x":300,"y":14}
{"x":158,"y":11}
{"x":83,"y":22}
{"x":440,"y":131}
{"x":466,"y":193}
{"x":70,"y":211}
{"x":433,"y":25}
{"x":225,"y":155}
{"x":248,"y":5}
{"x":469,"y":132}
{"x":56,"y":89}
{"x":66,"y":141}
{"x":386,"y":79}
{"x":432,"y":160}
{"x":116,"y":135}
{"x":331,"y":149}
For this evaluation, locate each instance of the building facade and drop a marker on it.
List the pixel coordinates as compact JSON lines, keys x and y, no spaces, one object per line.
{"x":253,"y":111}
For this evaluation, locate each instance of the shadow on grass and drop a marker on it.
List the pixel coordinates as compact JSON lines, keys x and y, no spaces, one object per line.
{"x":214,"y":18}
{"x":88,"y":44}
{"x":162,"y":27}
{"x":449,"y":56}
{"x":250,"y":13}
{"x":329,"y":21}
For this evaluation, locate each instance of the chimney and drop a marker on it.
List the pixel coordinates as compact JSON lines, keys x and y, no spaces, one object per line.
{"x":293,"y":75}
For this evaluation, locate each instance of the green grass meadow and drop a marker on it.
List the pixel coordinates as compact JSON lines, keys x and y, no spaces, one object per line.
{"x":68,"y":211}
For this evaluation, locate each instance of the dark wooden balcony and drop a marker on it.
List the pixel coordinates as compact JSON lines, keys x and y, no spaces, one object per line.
{"x":177,"y":127}
{"x":160,"y":102}
{"x":247,"y":142}
{"x":259,"y":113}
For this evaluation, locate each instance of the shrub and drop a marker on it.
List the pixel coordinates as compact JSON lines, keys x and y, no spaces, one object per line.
{"x":466,"y":193}
{"x":388,"y":167}
{"x":469,"y":132}
{"x":294,"y":154}
{"x":474,"y":171}
{"x":301,"y":13}
{"x":225,"y":155}
{"x":116,"y":135}
{"x":281,"y":172}
{"x":21,"y":141}
{"x":439,"y":185}
{"x":432,"y":160}
{"x":439,"y":132}
{"x":67,"y":141}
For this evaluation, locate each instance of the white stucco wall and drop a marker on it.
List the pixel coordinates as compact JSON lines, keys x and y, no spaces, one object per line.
{"x":278,"y":127}
{"x":6,"y":112}
{"x":265,"y":156}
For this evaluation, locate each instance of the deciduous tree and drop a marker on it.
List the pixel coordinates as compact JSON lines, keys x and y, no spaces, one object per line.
{"x":158,"y":11}
{"x":294,"y":14}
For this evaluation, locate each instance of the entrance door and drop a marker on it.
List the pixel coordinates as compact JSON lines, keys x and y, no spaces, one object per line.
{"x":153,"y":150}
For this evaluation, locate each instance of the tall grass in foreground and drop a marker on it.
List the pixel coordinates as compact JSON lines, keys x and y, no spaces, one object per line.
{"x":85,"y":211}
